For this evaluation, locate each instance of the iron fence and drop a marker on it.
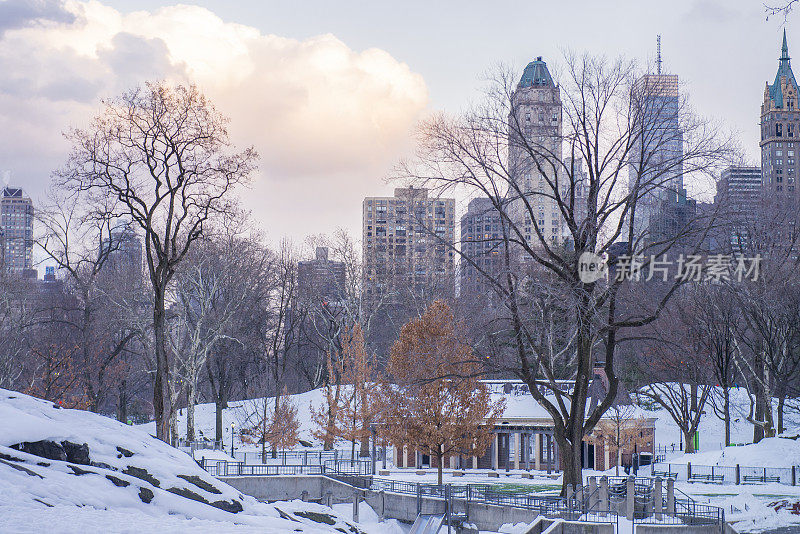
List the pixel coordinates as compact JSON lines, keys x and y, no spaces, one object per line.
{"x":722,"y":474}
{"x":225,"y":468}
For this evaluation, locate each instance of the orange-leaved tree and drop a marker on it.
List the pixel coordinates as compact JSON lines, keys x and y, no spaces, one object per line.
{"x":327,"y":414}
{"x":432,"y":398}
{"x":279,"y":429}
{"x":350,"y":405}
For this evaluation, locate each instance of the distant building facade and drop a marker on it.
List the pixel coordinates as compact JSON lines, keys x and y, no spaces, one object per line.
{"x":738,"y":199}
{"x":125,"y":251}
{"x":408,"y":240}
{"x":780,"y":128}
{"x":481,"y":246}
{"x":321,"y":278}
{"x":16,"y":232}
{"x":535,"y":136}
{"x":656,"y":169}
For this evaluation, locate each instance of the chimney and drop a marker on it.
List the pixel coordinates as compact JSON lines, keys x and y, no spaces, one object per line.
{"x":322,"y":253}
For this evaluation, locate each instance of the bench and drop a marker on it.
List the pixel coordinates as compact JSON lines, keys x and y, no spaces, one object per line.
{"x":755,"y":479}
{"x":715,"y":479}
{"x":665,"y":474}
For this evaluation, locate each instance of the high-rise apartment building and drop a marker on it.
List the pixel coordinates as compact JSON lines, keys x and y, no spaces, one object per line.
{"x":481,"y":246}
{"x":321,"y":278}
{"x":125,"y":251}
{"x":16,"y":232}
{"x":738,"y":200}
{"x":780,"y":128}
{"x":408,"y":240}
{"x":656,"y":169}
{"x":535,"y":153}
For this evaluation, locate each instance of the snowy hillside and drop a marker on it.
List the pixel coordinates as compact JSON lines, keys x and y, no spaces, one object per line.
{"x":243,"y":413}
{"x":712,"y":428}
{"x":74,"y":471}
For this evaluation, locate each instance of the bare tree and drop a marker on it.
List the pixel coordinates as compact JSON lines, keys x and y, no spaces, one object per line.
{"x":593,"y":173}
{"x":162,"y":152}
{"x":621,"y":429}
{"x":80,"y":239}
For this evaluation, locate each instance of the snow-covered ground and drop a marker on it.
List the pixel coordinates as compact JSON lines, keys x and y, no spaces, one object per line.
{"x":71,"y":471}
{"x":750,"y":506}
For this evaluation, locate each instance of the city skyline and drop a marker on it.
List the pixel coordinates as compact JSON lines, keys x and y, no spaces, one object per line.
{"x":106,"y":49}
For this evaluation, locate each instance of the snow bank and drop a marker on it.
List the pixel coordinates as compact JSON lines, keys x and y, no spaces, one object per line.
{"x":769,"y":452}
{"x":87,"y":473}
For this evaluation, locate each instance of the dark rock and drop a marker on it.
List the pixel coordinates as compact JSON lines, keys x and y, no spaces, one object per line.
{"x":284,"y":515}
{"x":103,"y":465}
{"x":200,"y":483}
{"x":124,"y":452}
{"x":231,"y":506}
{"x":43,"y":464}
{"x":44,"y":503}
{"x":23,"y":469}
{"x":11,"y":458}
{"x":76,"y":454}
{"x":145,"y":495}
{"x":142,"y":474}
{"x":43,"y":449}
{"x":78,"y":471}
{"x":118,"y":482}
{"x":189,"y":494}
{"x":317,"y":517}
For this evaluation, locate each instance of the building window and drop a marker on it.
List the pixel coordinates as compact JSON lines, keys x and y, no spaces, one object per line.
{"x":779,"y":130}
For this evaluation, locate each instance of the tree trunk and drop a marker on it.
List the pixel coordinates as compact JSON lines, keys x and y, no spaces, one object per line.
{"x":219,"y":405}
{"x":439,"y":461}
{"x":781,"y":401}
{"x":122,"y":403}
{"x":571,"y":464}
{"x":161,"y":383}
{"x":726,"y":410}
{"x":688,"y":437}
{"x":191,"y":400}
{"x":758,"y":429}
{"x":277,"y":405}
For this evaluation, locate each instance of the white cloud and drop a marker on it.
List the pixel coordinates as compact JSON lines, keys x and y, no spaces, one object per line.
{"x":326,"y":119}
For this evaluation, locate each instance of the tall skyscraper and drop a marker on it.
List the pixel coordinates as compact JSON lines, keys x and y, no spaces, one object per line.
{"x":16,"y":229}
{"x":407,"y":242}
{"x":656,"y":169}
{"x":780,"y":127}
{"x":481,"y":243}
{"x":535,"y":152}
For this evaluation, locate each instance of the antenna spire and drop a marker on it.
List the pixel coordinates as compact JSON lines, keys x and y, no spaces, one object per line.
{"x":658,"y":53}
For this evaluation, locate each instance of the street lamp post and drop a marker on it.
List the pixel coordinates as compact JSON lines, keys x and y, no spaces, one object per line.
{"x":233,"y":426}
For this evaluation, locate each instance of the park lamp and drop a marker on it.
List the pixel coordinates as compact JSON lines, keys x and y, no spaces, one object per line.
{"x":233,"y":426}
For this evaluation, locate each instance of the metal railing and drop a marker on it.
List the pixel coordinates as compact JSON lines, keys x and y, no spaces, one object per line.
{"x":582,"y":505}
{"x":734,"y":474}
{"x":295,"y":457}
{"x":224,"y":468}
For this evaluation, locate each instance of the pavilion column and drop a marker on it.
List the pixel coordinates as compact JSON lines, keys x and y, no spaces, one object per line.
{"x":537,"y":448}
{"x":495,"y":443}
{"x":549,"y":452}
{"x":517,"y":448}
{"x":607,"y":455}
{"x":405,"y":456}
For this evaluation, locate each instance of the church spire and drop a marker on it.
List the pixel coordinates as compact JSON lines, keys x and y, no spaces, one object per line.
{"x":784,"y":48}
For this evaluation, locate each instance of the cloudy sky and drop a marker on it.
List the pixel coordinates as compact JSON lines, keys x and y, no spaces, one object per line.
{"x":328,"y":91}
